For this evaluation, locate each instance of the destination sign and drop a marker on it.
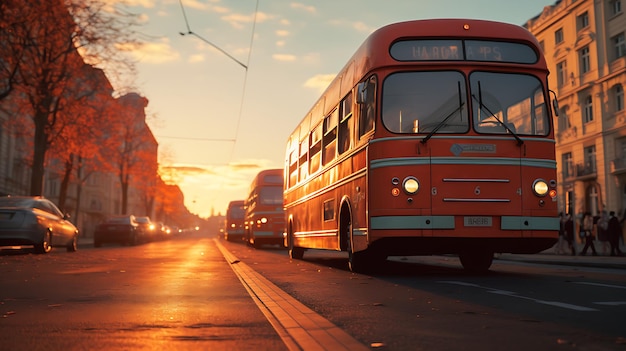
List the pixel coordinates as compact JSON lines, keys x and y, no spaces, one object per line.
{"x":462,"y":50}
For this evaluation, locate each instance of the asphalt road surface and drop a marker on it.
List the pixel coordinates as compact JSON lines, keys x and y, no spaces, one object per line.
{"x":201,"y":293}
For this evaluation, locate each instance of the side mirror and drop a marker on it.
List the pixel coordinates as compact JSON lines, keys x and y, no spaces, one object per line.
{"x":555,"y":104}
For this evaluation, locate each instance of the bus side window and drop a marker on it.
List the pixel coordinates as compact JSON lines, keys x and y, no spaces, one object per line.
{"x":330,"y":137}
{"x":304,"y":162}
{"x":345,"y":126}
{"x":367,"y":103}
{"x":315,"y":152}
{"x":293,"y":166}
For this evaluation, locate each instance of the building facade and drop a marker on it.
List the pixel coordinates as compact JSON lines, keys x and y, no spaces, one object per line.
{"x":585,"y":47}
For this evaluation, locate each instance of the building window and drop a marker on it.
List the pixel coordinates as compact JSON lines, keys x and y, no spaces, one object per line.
{"x":619,"y":43}
{"x":558,"y":36}
{"x":618,"y":96}
{"x":590,"y":159}
{"x":585,"y":64}
{"x":568,"y":165}
{"x":561,"y":73}
{"x":564,"y":122}
{"x":616,"y":7}
{"x":620,"y":152}
{"x":588,"y":110}
{"x":582,"y":21}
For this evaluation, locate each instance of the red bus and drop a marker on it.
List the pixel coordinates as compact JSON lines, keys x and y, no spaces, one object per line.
{"x":235,"y":214}
{"x":435,"y":138}
{"x":265,"y":217}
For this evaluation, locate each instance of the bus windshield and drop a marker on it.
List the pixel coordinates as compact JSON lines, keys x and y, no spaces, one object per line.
{"x":271,"y":195}
{"x":436,"y":102}
{"x":236,"y":212}
{"x":508,"y":103}
{"x":425,"y":102}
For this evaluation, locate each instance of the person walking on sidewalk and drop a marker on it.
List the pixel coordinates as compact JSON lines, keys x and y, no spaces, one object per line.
{"x":569,"y":233}
{"x":602,"y":229}
{"x":615,"y":232}
{"x":587,"y":234}
{"x":560,"y":244}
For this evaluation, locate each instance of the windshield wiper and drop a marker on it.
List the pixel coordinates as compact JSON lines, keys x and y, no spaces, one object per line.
{"x":481,"y":106}
{"x":443,"y":122}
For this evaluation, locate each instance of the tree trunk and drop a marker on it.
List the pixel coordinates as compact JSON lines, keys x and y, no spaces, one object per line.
{"x":65,"y":183}
{"x":124,"y":196}
{"x":39,"y":154}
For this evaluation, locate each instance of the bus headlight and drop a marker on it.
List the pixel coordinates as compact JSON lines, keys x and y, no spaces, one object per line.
{"x":540,"y":187}
{"x":410,"y":185}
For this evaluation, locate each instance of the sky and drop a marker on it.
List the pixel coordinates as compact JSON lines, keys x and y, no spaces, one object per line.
{"x":224,"y":100}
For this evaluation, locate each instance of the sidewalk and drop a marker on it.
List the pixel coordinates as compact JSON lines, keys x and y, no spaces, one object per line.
{"x":549,"y":257}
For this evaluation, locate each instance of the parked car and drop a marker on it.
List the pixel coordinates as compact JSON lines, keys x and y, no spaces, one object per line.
{"x":148,"y":229}
{"x":163,"y":231}
{"x":36,"y":221}
{"x":123,"y":230}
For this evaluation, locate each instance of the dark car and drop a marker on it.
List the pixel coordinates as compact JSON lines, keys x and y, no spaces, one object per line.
{"x":123,"y":230}
{"x":36,"y":221}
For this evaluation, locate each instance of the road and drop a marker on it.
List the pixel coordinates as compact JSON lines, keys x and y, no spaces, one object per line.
{"x":201,"y":293}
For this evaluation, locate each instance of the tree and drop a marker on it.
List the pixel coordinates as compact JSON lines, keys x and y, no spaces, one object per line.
{"x":81,"y":128}
{"x":135,"y":153}
{"x":46,"y":41}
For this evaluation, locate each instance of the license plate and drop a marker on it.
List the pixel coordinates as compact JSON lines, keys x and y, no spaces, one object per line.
{"x":477,"y":221}
{"x":5,"y":216}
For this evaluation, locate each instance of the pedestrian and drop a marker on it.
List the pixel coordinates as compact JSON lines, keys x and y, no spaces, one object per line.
{"x":587,"y":234}
{"x":558,"y":248}
{"x":602,"y":228}
{"x":569,"y":233}
{"x":615,"y":232}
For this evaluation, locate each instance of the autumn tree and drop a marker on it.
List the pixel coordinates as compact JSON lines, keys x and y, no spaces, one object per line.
{"x":40,"y":49}
{"x":81,"y":128}
{"x":135,"y":149}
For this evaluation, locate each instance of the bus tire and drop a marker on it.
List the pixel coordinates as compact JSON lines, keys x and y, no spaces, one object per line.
{"x":295,"y":253}
{"x":476,"y":262}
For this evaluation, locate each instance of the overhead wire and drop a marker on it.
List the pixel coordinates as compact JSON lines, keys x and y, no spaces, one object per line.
{"x":245,"y":66}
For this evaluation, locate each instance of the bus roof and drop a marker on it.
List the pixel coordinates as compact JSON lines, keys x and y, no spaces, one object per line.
{"x":368,"y":56}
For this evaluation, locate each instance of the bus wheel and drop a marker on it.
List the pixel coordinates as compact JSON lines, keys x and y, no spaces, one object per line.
{"x":295,"y":253}
{"x":476,"y":262}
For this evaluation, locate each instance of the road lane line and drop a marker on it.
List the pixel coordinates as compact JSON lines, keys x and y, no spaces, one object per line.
{"x":602,"y":285}
{"x":299,"y":327}
{"x":514,"y":294}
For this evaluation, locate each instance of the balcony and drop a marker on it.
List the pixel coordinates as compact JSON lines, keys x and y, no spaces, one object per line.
{"x":618,"y":166}
{"x":586,"y":172}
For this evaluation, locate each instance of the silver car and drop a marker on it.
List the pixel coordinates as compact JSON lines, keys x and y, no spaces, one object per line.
{"x":36,"y":221}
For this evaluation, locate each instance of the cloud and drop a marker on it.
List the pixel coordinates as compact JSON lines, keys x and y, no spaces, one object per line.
{"x":143,"y":3}
{"x":247,"y":165}
{"x":153,"y":52}
{"x":299,"y":6}
{"x":284,"y":57}
{"x":187,"y":170}
{"x":319,"y":82}
{"x":358,"y":25}
{"x":196,"y":58}
{"x":238,"y":20}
